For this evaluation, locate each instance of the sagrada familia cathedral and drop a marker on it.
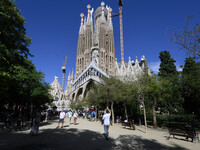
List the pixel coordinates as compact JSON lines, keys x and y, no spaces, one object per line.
{"x":95,"y":58}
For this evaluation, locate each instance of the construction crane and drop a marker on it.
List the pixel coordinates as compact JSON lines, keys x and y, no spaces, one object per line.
{"x":121,"y":28}
{"x":64,"y":70}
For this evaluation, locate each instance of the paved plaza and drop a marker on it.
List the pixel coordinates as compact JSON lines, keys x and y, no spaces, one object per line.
{"x":87,"y":135}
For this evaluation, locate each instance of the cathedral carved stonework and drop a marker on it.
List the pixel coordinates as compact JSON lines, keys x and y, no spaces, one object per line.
{"x":100,"y":36}
{"x":95,"y":56}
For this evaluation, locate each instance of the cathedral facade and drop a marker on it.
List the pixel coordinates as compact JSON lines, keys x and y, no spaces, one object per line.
{"x":96,"y":57}
{"x":96,"y":43}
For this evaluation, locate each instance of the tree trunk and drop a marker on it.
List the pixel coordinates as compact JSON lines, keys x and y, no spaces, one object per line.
{"x":31,"y":113}
{"x":112,"y":111}
{"x":154,"y":113}
{"x":140,"y":117}
{"x":125,"y":109}
{"x":96,"y":113}
{"x":145,"y":119}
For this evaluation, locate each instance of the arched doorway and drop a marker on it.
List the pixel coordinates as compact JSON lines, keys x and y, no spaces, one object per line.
{"x":88,"y":87}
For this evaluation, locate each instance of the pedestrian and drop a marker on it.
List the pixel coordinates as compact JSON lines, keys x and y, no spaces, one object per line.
{"x":61,"y":119}
{"x":106,"y":122}
{"x":75,"y":115}
{"x":8,"y":120}
{"x":47,"y":115}
{"x":84,"y":115}
{"x":70,"y":116}
{"x":19,"y":120}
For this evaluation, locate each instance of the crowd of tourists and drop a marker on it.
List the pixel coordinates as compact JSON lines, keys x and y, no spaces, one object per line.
{"x":13,"y":119}
{"x":74,"y":114}
{"x":68,"y":115}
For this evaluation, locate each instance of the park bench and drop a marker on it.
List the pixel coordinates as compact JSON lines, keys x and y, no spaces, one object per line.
{"x":131,"y":124}
{"x":183,"y":133}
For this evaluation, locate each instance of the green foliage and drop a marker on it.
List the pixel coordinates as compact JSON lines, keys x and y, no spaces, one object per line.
{"x":191,"y":86}
{"x":178,"y":121}
{"x":20,"y":83}
{"x":150,"y":89}
{"x":97,"y":96}
{"x":13,"y":39}
{"x":170,"y":99}
{"x":167,"y":67}
{"x":78,"y":105}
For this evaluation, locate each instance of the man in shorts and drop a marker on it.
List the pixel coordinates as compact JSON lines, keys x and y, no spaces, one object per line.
{"x":106,"y":122}
{"x":61,"y":119}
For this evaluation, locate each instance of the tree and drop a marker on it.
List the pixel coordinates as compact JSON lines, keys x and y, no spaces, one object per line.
{"x":167,"y":67}
{"x":13,"y":46}
{"x":106,"y":94}
{"x":171,"y":99}
{"x":140,"y":86}
{"x":13,"y":40}
{"x":20,"y":83}
{"x":191,"y":86}
{"x":152,"y":91}
{"x":188,"y":38}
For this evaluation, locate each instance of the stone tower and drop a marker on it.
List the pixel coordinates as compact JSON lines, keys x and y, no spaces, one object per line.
{"x":96,"y":43}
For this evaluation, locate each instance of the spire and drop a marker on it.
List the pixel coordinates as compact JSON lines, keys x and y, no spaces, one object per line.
{"x":110,"y":26}
{"x":103,"y":19}
{"x":136,"y":60}
{"x":91,"y":22}
{"x":68,"y":77}
{"x":88,"y":16}
{"x":81,"y":31}
{"x":72,"y":75}
{"x":91,"y":12}
{"x":116,"y":64}
{"x":56,"y":78}
{"x":84,"y":23}
{"x":143,"y":58}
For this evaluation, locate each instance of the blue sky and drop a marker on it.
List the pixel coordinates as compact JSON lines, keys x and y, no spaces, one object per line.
{"x":53,"y":26}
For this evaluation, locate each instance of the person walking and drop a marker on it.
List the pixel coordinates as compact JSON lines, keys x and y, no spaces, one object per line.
{"x":70,"y":116}
{"x":106,"y":122}
{"x":83,"y":114}
{"x":75,"y":115}
{"x":61,"y":119}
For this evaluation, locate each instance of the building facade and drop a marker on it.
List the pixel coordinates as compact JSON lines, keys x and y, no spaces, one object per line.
{"x":96,"y":56}
{"x":96,"y":43}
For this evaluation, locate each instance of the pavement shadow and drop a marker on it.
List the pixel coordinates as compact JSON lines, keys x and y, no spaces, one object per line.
{"x":26,"y":126}
{"x":130,"y":142}
{"x":53,"y":139}
{"x":74,"y":139}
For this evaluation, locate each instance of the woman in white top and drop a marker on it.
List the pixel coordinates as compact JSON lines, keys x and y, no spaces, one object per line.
{"x":75,"y":115}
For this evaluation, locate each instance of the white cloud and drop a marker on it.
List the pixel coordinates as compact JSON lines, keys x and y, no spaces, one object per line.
{"x":154,"y":66}
{"x":178,"y":67}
